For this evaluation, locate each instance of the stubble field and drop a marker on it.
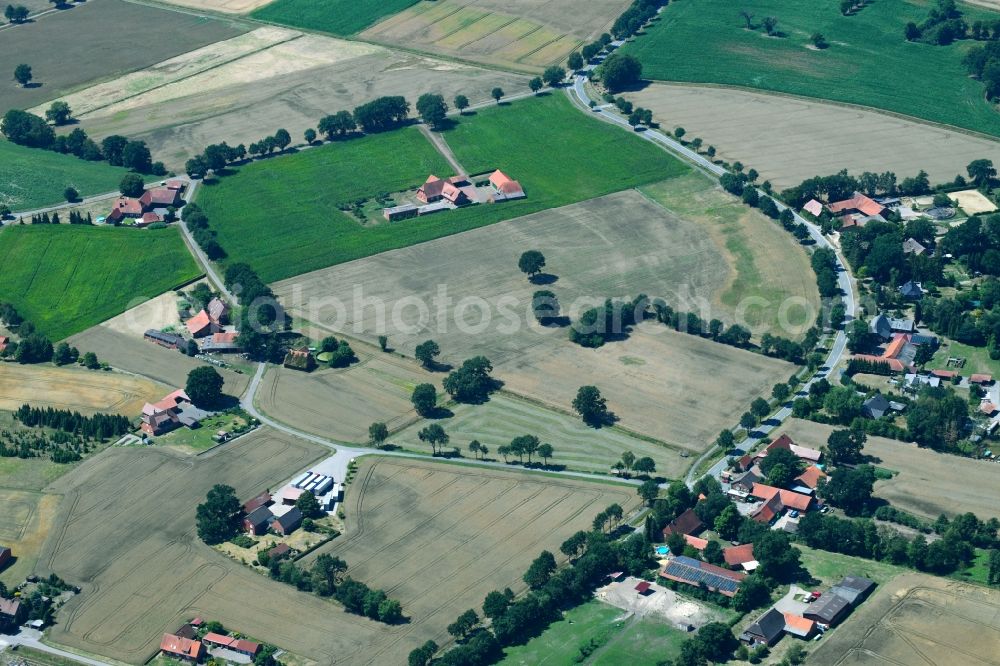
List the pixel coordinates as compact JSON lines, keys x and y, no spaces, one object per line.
{"x":918,"y":619}
{"x":130,"y":352}
{"x":812,"y":137}
{"x":577,"y":446}
{"x":65,"y":278}
{"x":439,"y":538}
{"x":121,"y":37}
{"x":75,"y":389}
{"x":342,"y":403}
{"x":521,"y":35}
{"x":246,"y":87}
{"x":928,"y":483}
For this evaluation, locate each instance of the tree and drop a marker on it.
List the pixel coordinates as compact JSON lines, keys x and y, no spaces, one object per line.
{"x":461,"y":103}
{"x":338,"y":124}
{"x":464,"y":624}
{"x":748,"y":420}
{"x":70,"y":194}
{"x":818,"y":40}
{"x":309,"y":505}
{"x":575,"y":61}
{"x":59,"y":113}
{"x":554,"y":75}
{"x":383,"y":342}
{"x":422,"y":655}
{"x":427,"y":352}
{"x":781,"y":476}
{"x":326,"y":573}
{"x":748,"y":18}
{"x":531,"y":263}
{"x":89,"y":359}
{"x":22,"y":74}
{"x":728,"y":522}
{"x":204,"y":386}
{"x":649,"y":491}
{"x":769,"y":23}
{"x":844,"y":446}
{"x":497,"y":94}
{"x":434,"y":435}
{"x":495,"y":604}
{"x":850,"y":489}
{"x":644,"y":465}
{"x":475,"y":447}
{"x":545,"y":451}
{"x":912,"y":32}
{"x":432,"y":110}
{"x":780,"y":392}
{"x":545,"y":306}
{"x":994,"y":573}
{"x":132,"y":185}
{"x":424,"y":399}
{"x":218,"y":518}
{"x":309,"y":135}
{"x":524,"y":445}
{"x":760,"y":408}
{"x":472,"y":382}
{"x":753,"y":593}
{"x":378,"y":432}
{"x":540,"y":570}
{"x":135,"y":156}
{"x":64,"y":354}
{"x":591,"y":406}
{"x":780,"y":458}
{"x":981,"y":171}
{"x":676,"y":543}
{"x":725,"y":440}
{"x":536,"y":84}
{"x":382,"y":114}
{"x":196,"y":167}
{"x":777,"y":558}
{"x":620,"y":71}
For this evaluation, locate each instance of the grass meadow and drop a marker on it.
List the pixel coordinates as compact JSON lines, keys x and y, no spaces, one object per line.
{"x":31,"y":178}
{"x":868,"y":61}
{"x":338,"y":17}
{"x":66,"y":279}
{"x":281,"y":216}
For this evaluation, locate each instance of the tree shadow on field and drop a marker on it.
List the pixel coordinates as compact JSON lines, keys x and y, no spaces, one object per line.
{"x":444,"y":126}
{"x":543,"y":279}
{"x":439,"y":413}
{"x":555,"y":322}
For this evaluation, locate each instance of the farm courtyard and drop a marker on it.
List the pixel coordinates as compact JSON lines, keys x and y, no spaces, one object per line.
{"x":399,"y":534}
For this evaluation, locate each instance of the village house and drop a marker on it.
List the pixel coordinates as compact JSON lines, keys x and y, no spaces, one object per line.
{"x":766,"y":629}
{"x":740,"y":557}
{"x":694,"y":572}
{"x":912,"y":291}
{"x":454,"y":190}
{"x":12,"y":614}
{"x":813,"y":207}
{"x":810,"y":477}
{"x":697,"y":543}
{"x":288,"y":522}
{"x":504,"y":187}
{"x":226,"y":342}
{"x":857,"y":210}
{"x":686,"y":523}
{"x":182,"y":648}
{"x":981,"y":379}
{"x":798,"y":626}
{"x":912,"y":246}
{"x":173,"y":411}
{"x":748,"y":461}
{"x":168,"y":340}
{"x":258,"y":521}
{"x":300,"y":359}
{"x":238,"y":645}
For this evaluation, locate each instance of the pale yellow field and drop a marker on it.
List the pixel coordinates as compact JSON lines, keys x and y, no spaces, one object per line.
{"x":972,"y":202}
{"x":244,"y":88}
{"x":223,"y":6}
{"x":788,"y":139}
{"x":74,"y":388}
{"x":25,"y":520}
{"x":522,"y":34}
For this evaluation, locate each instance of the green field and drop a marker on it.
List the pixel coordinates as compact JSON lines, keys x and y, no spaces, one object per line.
{"x":281,"y":215}
{"x":635,"y":641}
{"x":31,"y":178}
{"x":831,"y":567}
{"x":868,"y":62}
{"x":576,"y":445}
{"x":338,"y":17}
{"x":66,"y":279}
{"x":977,"y":359}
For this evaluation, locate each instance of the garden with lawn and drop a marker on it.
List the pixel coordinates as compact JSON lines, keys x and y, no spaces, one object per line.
{"x":67,"y":278}
{"x":282,"y":215}
{"x":866,"y":60}
{"x":338,"y":17}
{"x":31,"y":178}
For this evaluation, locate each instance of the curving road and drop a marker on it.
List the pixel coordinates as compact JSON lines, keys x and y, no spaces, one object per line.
{"x":578,"y":94}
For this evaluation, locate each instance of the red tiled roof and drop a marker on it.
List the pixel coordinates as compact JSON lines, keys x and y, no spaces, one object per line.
{"x":814,"y":207}
{"x":258,"y":501}
{"x":150,"y":218}
{"x":159,"y":196}
{"x":504,"y":183}
{"x":218,"y":639}
{"x":987,"y":408}
{"x":798,"y":624}
{"x":127,"y":206}
{"x":735,"y":555}
{"x":432,"y":187}
{"x":896,"y":346}
{"x":181,"y":646}
{"x":176,"y":184}
{"x":858,"y":202}
{"x":696,"y":542}
{"x":944,"y":374}
{"x":686,"y":523}
{"x":981,"y":378}
{"x":790,"y":499}
{"x":452,"y":193}
{"x":642,"y":587}
{"x":894,"y":363}
{"x":811,"y":476}
{"x":198,"y":323}
{"x":228,"y":336}
{"x":769,"y":511}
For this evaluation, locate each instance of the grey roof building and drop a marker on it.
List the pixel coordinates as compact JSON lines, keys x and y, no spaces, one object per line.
{"x":829,"y":609}
{"x":766,"y":630}
{"x":854,"y":589}
{"x":876,"y":406}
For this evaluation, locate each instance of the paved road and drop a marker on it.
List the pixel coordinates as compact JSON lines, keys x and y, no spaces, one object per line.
{"x":199,"y":255}
{"x":345,"y":452}
{"x":608,"y":113}
{"x":30,"y":638}
{"x":61,"y":206}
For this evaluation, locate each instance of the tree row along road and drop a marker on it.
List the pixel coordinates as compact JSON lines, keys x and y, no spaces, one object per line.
{"x":578,"y":94}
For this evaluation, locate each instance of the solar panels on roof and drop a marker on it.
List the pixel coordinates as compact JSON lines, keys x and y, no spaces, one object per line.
{"x":692,"y":570}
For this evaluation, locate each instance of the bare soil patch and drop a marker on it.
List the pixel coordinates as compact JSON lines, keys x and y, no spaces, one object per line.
{"x":661,"y":603}
{"x":788,"y":139}
{"x":928,"y":483}
{"x":342,"y":403}
{"x":223,"y":6}
{"x":918,"y":619}
{"x":440,"y":537}
{"x":77,"y":389}
{"x":243,"y":88}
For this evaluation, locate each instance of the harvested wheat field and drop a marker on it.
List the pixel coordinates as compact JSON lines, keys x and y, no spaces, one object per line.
{"x":928,"y":483}
{"x":524,"y":34}
{"x":222,"y":6}
{"x":577,"y":446}
{"x":131,"y":353}
{"x":341,"y":403}
{"x":242,"y":88}
{"x":671,"y":386}
{"x":25,"y":520}
{"x":440,"y":537}
{"x":76,"y":389}
{"x":788,"y":139}
{"x":918,"y":619}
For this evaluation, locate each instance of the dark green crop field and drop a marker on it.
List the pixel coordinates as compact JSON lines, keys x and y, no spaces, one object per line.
{"x":68,"y":278}
{"x":338,"y":17}
{"x":281,"y":215}
{"x":868,"y":61}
